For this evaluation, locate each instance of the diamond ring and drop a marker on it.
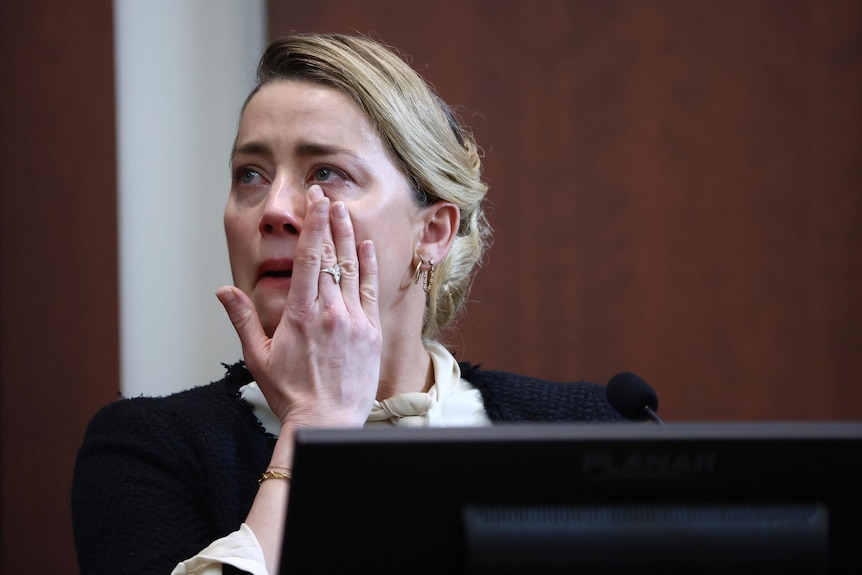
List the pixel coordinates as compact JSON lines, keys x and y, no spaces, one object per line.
{"x":335,"y":272}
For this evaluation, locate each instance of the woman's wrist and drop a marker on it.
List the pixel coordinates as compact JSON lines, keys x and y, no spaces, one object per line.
{"x":282,"y":453}
{"x":276,"y":472}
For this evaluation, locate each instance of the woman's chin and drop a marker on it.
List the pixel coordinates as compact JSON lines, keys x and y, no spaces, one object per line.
{"x":270,"y":312}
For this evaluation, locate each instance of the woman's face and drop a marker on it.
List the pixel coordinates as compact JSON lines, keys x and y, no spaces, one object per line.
{"x":295,"y":134}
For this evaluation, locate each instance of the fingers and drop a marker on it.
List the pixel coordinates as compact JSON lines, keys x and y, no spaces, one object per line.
{"x":327,"y":239}
{"x":309,"y":257}
{"x":345,"y":251}
{"x":368,"y":282}
{"x":359,"y":278}
{"x":246,"y":322}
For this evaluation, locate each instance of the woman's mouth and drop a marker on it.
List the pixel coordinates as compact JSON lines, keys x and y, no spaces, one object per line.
{"x":278,"y":274}
{"x":275,"y":270}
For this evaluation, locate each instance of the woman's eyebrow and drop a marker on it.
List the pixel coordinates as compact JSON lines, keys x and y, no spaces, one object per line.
{"x":310,"y":149}
{"x":302,"y":149}
{"x":251,"y":148}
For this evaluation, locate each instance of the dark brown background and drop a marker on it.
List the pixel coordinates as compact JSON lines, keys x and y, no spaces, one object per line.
{"x":676,"y":190}
{"x":58,"y":236}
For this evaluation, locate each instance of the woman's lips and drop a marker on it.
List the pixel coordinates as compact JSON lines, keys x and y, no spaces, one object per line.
{"x":275,"y":272}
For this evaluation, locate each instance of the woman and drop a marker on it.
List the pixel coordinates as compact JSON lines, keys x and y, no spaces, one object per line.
{"x":354,"y":223}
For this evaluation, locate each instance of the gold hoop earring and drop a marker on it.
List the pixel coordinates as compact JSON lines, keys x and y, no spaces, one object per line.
{"x":426,"y":275}
{"x":417,"y":275}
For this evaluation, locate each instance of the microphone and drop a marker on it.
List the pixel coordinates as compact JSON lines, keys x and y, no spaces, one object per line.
{"x":633,"y":397}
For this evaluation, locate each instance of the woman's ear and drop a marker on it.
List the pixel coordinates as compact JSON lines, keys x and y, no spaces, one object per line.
{"x":441,"y":222}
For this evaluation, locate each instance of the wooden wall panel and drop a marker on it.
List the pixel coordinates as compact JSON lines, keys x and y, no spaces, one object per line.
{"x":676,"y":189}
{"x":58,"y":302}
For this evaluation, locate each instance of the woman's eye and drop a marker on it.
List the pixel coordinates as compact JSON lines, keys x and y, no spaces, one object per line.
{"x":247,"y":176}
{"x":325,"y":174}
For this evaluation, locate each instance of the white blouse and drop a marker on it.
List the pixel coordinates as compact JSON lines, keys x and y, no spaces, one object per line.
{"x":451,"y":402}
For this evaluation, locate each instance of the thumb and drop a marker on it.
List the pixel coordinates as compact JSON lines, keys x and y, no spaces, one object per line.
{"x":245,"y":321}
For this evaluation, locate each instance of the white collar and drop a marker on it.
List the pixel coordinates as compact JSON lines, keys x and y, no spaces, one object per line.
{"x":412,"y":409}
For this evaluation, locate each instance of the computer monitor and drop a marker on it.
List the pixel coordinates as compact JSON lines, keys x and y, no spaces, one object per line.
{"x":578,"y":498}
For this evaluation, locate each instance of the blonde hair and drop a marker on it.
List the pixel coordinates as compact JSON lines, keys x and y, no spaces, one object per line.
{"x":440,"y":158}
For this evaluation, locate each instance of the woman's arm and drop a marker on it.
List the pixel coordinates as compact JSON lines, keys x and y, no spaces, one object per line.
{"x":135,"y":505}
{"x":321,"y":366}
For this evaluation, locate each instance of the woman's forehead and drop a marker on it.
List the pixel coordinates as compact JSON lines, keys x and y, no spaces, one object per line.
{"x":291,"y":109}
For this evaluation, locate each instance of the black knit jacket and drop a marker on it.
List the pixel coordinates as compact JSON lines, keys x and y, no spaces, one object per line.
{"x":159,"y":479}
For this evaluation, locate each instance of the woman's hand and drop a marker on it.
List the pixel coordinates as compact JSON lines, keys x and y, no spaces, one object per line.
{"x":321,"y":366}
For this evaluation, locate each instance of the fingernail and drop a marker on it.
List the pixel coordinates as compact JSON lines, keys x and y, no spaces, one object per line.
{"x":226,"y":295}
{"x":339,"y":210}
{"x":322,"y":207}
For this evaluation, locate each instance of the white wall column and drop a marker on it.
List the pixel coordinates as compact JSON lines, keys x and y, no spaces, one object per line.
{"x":183,"y":69}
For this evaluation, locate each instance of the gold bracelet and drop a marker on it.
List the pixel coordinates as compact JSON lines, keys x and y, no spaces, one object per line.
{"x":269,"y":474}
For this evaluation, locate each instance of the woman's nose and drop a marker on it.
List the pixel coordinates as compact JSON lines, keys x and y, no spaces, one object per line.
{"x":283,"y":211}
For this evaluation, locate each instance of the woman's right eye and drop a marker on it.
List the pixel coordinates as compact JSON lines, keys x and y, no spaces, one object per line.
{"x":246,"y":176}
